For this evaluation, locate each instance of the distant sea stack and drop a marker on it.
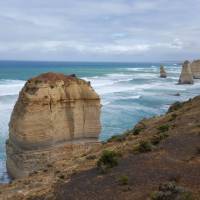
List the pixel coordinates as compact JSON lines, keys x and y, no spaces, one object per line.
{"x":163,"y":73}
{"x":195,"y":67}
{"x":55,"y":116}
{"x":186,"y":76}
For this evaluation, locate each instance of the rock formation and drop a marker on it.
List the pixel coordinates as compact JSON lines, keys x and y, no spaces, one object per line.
{"x":195,"y":67}
{"x":186,"y":74}
{"x":55,"y":116}
{"x":163,"y":73}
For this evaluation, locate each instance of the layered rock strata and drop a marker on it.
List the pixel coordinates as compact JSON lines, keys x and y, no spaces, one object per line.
{"x":55,"y":117}
{"x":186,"y":76}
{"x":195,"y":67}
{"x":163,"y":73}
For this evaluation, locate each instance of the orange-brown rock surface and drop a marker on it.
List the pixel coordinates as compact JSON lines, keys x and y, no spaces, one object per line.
{"x":55,"y":116}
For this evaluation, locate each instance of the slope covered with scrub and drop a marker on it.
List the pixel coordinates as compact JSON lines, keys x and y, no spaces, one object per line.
{"x":159,"y":159}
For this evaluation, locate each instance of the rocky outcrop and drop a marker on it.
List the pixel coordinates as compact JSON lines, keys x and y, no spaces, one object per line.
{"x":186,"y":76}
{"x":163,"y":73}
{"x":195,"y":67}
{"x":55,"y":116}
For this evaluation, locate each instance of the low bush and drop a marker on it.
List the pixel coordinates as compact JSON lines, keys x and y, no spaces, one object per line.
{"x":163,"y":128}
{"x":137,"y":131}
{"x":156,"y":139}
{"x":170,"y":191}
{"x":118,"y":138}
{"x":177,"y":105}
{"x":173,"y":117}
{"x":108,"y":159}
{"x":144,"y":146}
{"x":123,"y":180}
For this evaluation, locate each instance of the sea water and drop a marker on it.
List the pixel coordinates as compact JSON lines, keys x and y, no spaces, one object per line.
{"x":129,"y":92}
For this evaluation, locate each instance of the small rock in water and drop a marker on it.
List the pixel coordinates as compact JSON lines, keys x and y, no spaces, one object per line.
{"x":163,"y":73}
{"x":177,"y":94}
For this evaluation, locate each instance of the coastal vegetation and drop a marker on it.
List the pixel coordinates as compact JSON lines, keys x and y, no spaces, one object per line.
{"x":108,"y":160}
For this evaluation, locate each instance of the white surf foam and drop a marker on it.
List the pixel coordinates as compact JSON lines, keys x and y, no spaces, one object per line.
{"x":10,"y":87}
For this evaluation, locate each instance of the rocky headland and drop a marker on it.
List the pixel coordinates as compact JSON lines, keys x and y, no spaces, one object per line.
{"x":55,"y":117}
{"x":158,"y":159}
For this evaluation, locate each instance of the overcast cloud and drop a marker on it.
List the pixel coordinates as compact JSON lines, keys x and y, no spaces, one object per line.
{"x":103,"y":30}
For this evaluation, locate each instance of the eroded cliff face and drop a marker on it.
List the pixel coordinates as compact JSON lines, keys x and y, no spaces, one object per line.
{"x":55,"y":116}
{"x":186,"y":76}
{"x":195,"y":67}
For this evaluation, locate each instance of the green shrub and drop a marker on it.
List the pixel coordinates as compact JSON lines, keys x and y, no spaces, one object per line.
{"x":122,"y":137}
{"x":123,"y":180}
{"x":163,"y":128}
{"x":173,"y":117}
{"x":137,"y":131}
{"x":177,"y":105}
{"x":118,"y":138}
{"x":170,"y":191}
{"x":108,"y":159}
{"x":156,"y":139}
{"x":144,"y":146}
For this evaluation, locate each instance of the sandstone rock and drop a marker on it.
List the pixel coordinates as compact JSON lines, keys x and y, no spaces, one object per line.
{"x":55,"y":116}
{"x":186,"y":74}
{"x":163,"y":73}
{"x":195,"y":67}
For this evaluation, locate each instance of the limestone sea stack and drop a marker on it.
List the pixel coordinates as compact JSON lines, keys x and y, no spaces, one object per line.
{"x":55,"y":116}
{"x":186,"y":76}
{"x":195,"y":67}
{"x":163,"y":73}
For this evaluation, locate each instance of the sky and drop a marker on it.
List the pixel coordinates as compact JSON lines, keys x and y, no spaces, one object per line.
{"x":100,"y":30}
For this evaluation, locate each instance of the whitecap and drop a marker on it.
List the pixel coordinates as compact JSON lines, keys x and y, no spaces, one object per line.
{"x":10,"y":87}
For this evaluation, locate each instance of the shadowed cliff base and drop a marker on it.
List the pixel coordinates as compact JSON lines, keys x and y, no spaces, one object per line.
{"x":163,"y":149}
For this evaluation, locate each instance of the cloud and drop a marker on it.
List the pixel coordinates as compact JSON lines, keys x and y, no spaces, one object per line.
{"x":93,"y":29}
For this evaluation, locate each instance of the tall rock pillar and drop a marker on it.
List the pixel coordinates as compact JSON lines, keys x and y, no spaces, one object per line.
{"x":55,"y":116}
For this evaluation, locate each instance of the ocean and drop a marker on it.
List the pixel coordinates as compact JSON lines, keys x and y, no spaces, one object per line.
{"x":129,"y":92}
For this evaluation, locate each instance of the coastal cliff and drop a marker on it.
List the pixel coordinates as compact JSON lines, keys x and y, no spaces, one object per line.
{"x":156,"y":159}
{"x":55,"y":116}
